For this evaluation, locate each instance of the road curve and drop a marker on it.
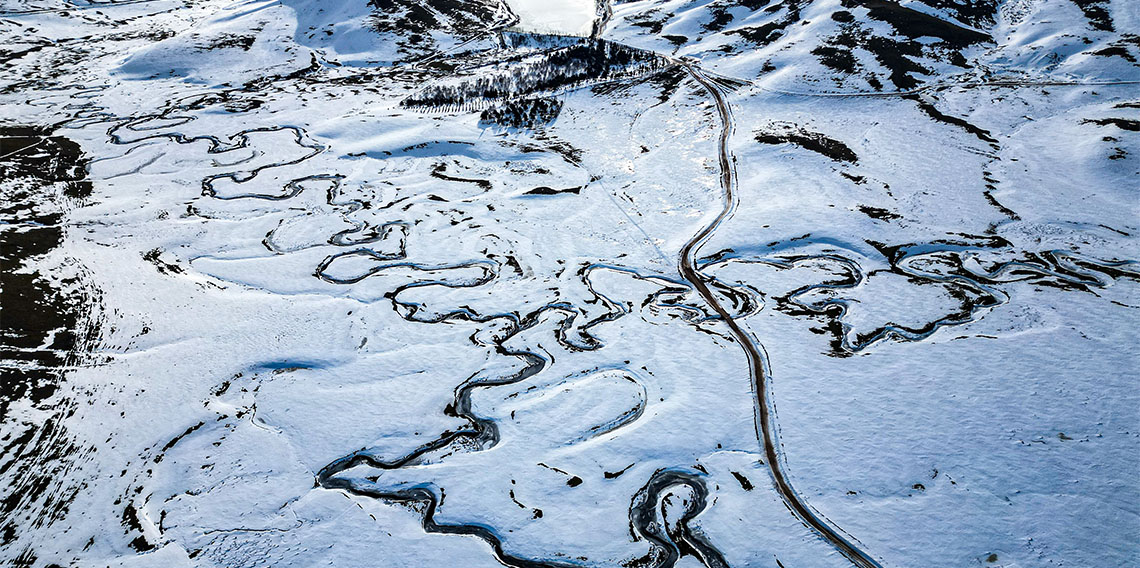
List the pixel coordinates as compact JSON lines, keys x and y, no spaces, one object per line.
{"x":765,"y":428}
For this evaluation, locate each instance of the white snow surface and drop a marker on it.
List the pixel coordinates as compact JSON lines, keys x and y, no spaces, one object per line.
{"x":568,"y":17}
{"x":291,"y":268}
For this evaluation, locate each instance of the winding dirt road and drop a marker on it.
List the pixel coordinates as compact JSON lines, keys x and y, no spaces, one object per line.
{"x":765,"y":428}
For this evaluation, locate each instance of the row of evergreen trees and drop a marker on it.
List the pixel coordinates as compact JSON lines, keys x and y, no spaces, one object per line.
{"x":526,"y":113}
{"x":589,"y":60}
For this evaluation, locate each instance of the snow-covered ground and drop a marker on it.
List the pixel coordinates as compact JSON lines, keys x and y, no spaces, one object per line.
{"x":570,"y":17}
{"x":299,"y":321}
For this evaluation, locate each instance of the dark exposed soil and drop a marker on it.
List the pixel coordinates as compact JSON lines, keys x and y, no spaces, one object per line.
{"x":45,"y":325}
{"x":40,"y":320}
{"x":811,"y":141}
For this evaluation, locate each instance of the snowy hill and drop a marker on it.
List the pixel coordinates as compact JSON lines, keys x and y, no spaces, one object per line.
{"x":872,"y":45}
{"x":569,"y":283}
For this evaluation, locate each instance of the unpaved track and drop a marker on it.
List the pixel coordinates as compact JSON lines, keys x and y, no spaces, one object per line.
{"x":765,"y":428}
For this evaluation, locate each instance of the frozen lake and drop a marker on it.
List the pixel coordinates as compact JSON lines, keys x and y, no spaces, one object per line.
{"x":570,"y":17}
